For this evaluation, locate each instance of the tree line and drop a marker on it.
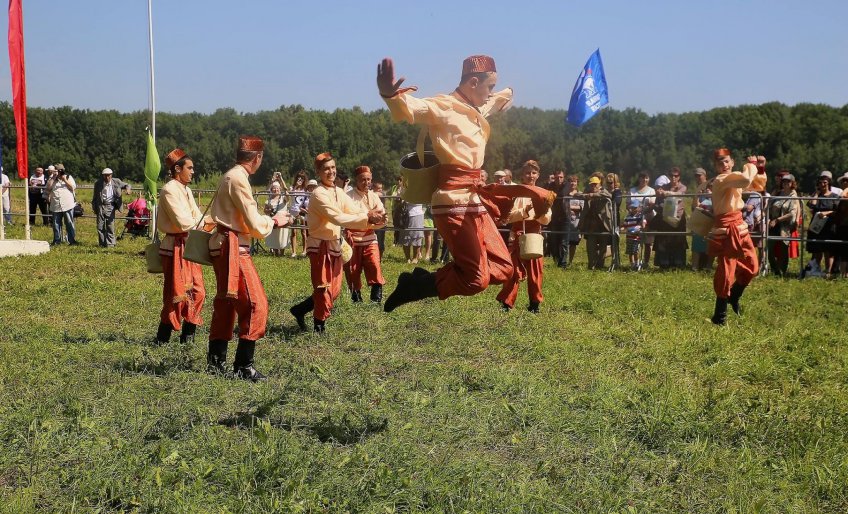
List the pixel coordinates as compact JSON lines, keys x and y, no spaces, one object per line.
{"x":804,"y":138}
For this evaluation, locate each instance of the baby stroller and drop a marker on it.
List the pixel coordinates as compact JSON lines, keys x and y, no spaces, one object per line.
{"x":138,"y":219}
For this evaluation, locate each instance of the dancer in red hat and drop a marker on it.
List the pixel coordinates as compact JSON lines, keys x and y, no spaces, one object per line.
{"x":366,"y":253}
{"x":183,"y":292}
{"x":239,"y":291}
{"x":729,"y":240}
{"x":524,"y":220}
{"x":463,"y":207}
{"x":329,"y":210}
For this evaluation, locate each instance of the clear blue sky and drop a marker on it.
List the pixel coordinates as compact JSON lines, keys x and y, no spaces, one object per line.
{"x":260,"y":54}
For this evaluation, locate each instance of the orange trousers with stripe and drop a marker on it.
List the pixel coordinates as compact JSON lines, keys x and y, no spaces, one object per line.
{"x":529,"y":269}
{"x":326,"y":273}
{"x":480,"y":256}
{"x":173,"y":313}
{"x":366,"y":258}
{"x":250,"y":307}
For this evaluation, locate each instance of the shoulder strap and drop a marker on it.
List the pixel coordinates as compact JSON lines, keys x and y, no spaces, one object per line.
{"x":203,"y":216}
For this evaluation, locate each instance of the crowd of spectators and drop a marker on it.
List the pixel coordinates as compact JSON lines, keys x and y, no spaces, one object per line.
{"x":52,"y":193}
{"x":652,"y":222}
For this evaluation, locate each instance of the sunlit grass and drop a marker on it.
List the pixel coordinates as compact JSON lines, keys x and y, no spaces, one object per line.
{"x":619,"y":396}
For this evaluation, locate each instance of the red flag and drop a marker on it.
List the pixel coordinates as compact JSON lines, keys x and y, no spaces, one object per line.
{"x":16,"y":60}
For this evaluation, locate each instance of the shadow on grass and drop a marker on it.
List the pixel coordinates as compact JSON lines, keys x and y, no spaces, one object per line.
{"x":282,"y":331}
{"x":108,"y":337}
{"x":345,"y":431}
{"x":158,"y":367}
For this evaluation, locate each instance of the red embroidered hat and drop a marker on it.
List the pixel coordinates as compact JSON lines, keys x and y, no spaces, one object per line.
{"x":173,"y":157}
{"x":321,"y":158}
{"x":360,"y":170}
{"x":721,"y":153}
{"x":250,"y":144}
{"x":478,"y":64}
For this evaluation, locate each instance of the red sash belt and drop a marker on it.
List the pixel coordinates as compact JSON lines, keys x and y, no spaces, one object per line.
{"x":496,"y":198}
{"x":232,"y":260}
{"x":182,"y":275}
{"x":732,"y":245}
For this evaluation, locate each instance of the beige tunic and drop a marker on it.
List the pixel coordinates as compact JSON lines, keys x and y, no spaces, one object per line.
{"x":329,"y":209}
{"x":727,"y":189}
{"x":177,"y":211}
{"x":368,"y":201}
{"x":517,"y":215}
{"x":458,"y":131}
{"x":235,"y":209}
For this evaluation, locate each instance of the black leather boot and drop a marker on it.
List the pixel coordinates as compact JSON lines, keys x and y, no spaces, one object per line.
{"x":533,"y":307}
{"x":187,"y":335}
{"x":377,"y":293}
{"x":412,"y":287}
{"x":243,"y":363}
{"x":720,"y":314}
{"x":356,"y":296}
{"x":216,"y":356}
{"x":505,"y":307}
{"x":163,"y":333}
{"x":318,"y":326}
{"x":300,"y":311}
{"x":735,"y":294}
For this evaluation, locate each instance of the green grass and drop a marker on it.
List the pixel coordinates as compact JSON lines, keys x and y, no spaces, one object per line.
{"x":619,"y":396}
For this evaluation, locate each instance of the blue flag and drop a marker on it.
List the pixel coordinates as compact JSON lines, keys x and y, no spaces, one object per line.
{"x":590,"y":91}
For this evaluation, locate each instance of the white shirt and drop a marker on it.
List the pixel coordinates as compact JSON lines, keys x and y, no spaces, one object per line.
{"x":647,"y":194}
{"x":62,"y":198}
{"x":6,"y":198}
{"x":416,"y":209}
{"x":108,"y":192}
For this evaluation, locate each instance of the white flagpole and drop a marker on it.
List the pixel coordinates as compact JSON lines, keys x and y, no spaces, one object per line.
{"x":27,"y":230}
{"x":152,"y":98}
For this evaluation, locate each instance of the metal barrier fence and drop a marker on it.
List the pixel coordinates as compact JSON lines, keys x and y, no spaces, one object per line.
{"x":763,"y":234}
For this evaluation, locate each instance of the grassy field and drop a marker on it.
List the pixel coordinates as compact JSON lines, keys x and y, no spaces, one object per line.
{"x":619,"y":396}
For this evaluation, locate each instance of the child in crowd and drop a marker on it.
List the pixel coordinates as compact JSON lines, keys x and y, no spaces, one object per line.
{"x":632,"y":225}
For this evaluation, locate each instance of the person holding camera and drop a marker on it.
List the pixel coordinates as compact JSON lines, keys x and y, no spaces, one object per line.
{"x":105,"y":202}
{"x":278,"y":240}
{"x":60,"y":196}
{"x":297,"y":210}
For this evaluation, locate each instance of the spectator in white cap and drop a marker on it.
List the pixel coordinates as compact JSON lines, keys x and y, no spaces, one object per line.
{"x":829,"y":175}
{"x":106,"y":200}
{"x":500,"y":177}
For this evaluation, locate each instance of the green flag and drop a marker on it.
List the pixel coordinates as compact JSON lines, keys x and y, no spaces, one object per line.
{"x":152,"y":168}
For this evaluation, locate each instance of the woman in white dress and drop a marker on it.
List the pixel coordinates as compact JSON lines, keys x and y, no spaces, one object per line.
{"x":297,"y":209}
{"x":278,"y":240}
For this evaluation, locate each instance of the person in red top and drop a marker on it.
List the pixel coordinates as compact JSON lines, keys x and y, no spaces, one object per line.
{"x":463,"y":207}
{"x":729,"y":241}
{"x":524,"y":220}
{"x":366,"y":252}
